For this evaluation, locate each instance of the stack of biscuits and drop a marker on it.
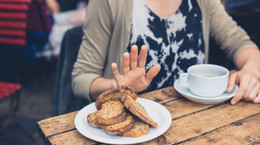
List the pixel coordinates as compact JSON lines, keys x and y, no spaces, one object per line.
{"x":118,"y":113}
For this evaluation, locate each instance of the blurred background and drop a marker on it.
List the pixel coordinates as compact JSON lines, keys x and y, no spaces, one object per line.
{"x":34,"y":36}
{"x":31,"y":33}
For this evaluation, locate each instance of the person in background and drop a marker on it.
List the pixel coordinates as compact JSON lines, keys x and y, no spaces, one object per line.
{"x":154,"y":41}
{"x":53,"y":6}
{"x":65,"y":18}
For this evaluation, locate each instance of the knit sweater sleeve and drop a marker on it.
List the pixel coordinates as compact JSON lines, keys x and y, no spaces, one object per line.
{"x":93,"y":50}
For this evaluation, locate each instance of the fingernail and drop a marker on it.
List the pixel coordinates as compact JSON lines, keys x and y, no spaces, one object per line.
{"x":257,"y":100}
{"x":229,"y":89}
{"x":233,"y":102}
{"x":114,"y":64}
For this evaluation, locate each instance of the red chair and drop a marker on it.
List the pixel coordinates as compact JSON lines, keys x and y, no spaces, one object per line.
{"x":10,"y":90}
{"x":13,"y":24}
{"x":38,"y":16}
{"x":13,"y":16}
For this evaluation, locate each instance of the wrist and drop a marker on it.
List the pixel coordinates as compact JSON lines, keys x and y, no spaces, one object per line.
{"x":99,"y":85}
{"x":252,"y":68}
{"x":113,"y":84}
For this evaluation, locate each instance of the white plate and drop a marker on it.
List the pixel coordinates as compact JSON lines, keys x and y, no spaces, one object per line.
{"x":157,"y":112}
{"x":184,"y":91}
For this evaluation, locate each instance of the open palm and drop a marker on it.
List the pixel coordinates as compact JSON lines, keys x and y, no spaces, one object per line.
{"x":133,"y":70}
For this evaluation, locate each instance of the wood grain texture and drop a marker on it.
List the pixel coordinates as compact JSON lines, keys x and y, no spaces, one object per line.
{"x":209,"y":120}
{"x":58,"y":124}
{"x":192,"y":123}
{"x":192,"y":126}
{"x":71,"y":138}
{"x":161,"y":95}
{"x":246,"y":131}
{"x":182,"y":107}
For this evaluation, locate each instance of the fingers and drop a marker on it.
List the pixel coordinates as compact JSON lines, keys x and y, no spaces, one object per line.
{"x":138,"y":60}
{"x":252,"y":91}
{"x":152,"y":73}
{"x":125,"y":63}
{"x":115,"y":72}
{"x":232,"y":82}
{"x":142,"y":56}
{"x":253,"y":94}
{"x":249,"y":87}
{"x":237,"y":97}
{"x":257,"y":99}
{"x":241,"y":91}
{"x":133,"y":57}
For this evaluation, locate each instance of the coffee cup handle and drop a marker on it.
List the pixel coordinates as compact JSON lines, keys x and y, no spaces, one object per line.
{"x":184,"y":79}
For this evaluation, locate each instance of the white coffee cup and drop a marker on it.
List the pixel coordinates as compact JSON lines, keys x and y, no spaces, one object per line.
{"x":205,"y":80}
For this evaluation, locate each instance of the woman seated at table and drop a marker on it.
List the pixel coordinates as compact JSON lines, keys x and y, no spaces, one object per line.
{"x":169,"y":36}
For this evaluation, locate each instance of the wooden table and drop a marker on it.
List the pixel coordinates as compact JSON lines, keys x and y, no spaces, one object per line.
{"x":192,"y":123}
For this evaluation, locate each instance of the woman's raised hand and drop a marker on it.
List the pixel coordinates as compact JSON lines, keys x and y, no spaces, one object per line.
{"x":133,"y":70}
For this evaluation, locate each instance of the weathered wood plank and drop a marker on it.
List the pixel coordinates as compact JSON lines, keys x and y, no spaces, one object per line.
{"x":176,"y":107}
{"x":205,"y":121}
{"x":208,"y":120}
{"x":244,"y":132}
{"x":58,"y":124}
{"x":190,"y":120}
{"x":181,"y":107}
{"x":161,"y":95}
{"x":70,"y":138}
{"x":63,"y":123}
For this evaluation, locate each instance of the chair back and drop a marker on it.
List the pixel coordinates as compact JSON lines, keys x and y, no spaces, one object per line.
{"x":38,"y":16}
{"x":64,"y":99}
{"x":7,"y":89}
{"x":13,"y":21}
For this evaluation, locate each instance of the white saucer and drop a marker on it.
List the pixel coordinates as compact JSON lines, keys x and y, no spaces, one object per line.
{"x":185,"y":92}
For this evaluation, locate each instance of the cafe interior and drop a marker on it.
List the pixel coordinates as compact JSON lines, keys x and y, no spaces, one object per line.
{"x":35,"y":65}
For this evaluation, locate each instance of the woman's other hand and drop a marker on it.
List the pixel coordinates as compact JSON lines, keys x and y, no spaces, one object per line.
{"x":133,"y":70}
{"x":248,"y":77}
{"x":249,"y":86}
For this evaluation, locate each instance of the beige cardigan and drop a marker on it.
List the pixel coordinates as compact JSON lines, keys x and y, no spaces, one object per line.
{"x":107,"y":32}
